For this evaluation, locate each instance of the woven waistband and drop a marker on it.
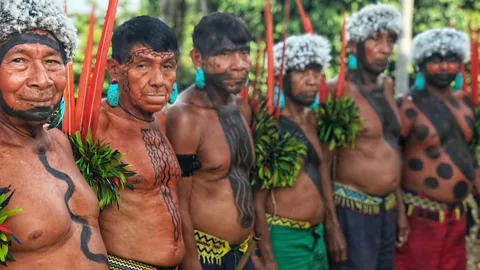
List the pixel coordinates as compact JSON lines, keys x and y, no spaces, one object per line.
{"x":349,"y":197}
{"x":212,"y":249}
{"x":286,"y":222}
{"x":119,"y":263}
{"x":439,"y":209}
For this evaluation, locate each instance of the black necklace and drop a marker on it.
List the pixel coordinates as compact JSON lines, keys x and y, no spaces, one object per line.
{"x":141,"y":119}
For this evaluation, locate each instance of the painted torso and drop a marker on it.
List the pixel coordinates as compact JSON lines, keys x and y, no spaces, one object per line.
{"x":435,"y":135}
{"x":149,"y":214}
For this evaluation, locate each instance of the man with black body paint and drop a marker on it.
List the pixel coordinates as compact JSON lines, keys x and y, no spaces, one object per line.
{"x":361,"y":218}
{"x":145,"y":230}
{"x":439,"y":170}
{"x":209,"y":128}
{"x":290,"y":219}
{"x":58,"y":227}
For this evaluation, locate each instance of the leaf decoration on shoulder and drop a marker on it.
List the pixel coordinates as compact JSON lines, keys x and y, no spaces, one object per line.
{"x":277,"y":161}
{"x":102,"y":167}
{"x":339,"y":122}
{"x":6,"y":233}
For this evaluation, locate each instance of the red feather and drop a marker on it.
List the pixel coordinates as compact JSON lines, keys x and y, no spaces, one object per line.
{"x":270,"y":65}
{"x":94,"y":96}
{"x":255,"y":73}
{"x":341,"y":75}
{"x":474,"y":64}
{"x":68,"y":121}
{"x":86,"y":73}
{"x":464,"y":79}
{"x":323,"y":90}
{"x":307,"y":24}
{"x":286,"y":18}
{"x":5,"y":229}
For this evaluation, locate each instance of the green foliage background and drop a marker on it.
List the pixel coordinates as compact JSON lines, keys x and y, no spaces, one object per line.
{"x":325,"y":15}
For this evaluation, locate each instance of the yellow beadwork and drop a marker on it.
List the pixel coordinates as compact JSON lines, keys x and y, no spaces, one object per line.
{"x":356,"y":200}
{"x":413,"y":201}
{"x":119,"y":263}
{"x":286,"y":222}
{"x":212,"y":249}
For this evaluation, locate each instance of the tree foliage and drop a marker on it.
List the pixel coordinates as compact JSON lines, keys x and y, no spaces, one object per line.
{"x":326,"y":18}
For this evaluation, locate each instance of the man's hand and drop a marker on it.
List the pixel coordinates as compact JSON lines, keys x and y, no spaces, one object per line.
{"x":402,"y":229}
{"x":261,"y":264}
{"x":336,"y":244}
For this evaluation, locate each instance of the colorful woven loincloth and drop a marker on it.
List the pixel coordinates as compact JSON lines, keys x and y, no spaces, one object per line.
{"x":119,"y":263}
{"x":211,"y":249}
{"x":349,"y":197}
{"x":419,"y":205}
{"x":286,"y":222}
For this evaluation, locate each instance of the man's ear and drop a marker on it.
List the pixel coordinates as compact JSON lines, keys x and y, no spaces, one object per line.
{"x":113,"y":68}
{"x":196,"y":57}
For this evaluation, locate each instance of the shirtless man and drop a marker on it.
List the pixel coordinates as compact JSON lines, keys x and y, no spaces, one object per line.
{"x":58,"y":227}
{"x":209,"y":127}
{"x":295,"y":214}
{"x":367,"y":177}
{"x":145,"y":231}
{"x":438,"y":168}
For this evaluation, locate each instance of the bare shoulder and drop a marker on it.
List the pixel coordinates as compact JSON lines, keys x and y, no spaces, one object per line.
{"x":332,"y":85}
{"x":181,"y":117}
{"x":103,"y":118}
{"x":61,"y":140}
{"x":161,"y":120}
{"x":244,"y":108}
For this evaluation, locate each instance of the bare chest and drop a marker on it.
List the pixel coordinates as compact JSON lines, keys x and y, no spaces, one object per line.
{"x":226,"y":143}
{"x":52,"y":194}
{"x":381,"y":117}
{"x":149,"y":153}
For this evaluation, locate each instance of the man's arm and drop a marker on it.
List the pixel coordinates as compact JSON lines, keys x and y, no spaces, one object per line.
{"x":184,"y":135}
{"x":335,"y":240}
{"x":261,"y":228}
{"x":402,"y":222}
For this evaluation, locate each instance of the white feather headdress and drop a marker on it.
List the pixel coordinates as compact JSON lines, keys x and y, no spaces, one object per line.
{"x":301,"y":51}
{"x":373,"y":19}
{"x":441,"y":41}
{"x":17,"y":16}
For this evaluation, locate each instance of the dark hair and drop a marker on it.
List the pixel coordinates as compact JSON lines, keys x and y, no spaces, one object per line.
{"x":143,"y":30}
{"x":213,"y":28}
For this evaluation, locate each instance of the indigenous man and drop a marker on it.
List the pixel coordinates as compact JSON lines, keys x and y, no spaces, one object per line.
{"x":367,"y":176}
{"x":209,"y":127}
{"x":295,"y":214}
{"x":58,"y":227}
{"x":144,"y":232}
{"x":438,"y":168}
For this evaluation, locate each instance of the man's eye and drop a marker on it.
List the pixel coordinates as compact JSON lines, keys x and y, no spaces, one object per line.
{"x":51,"y":61}
{"x":141,"y":66}
{"x":18,"y":60}
{"x":168,"y":66}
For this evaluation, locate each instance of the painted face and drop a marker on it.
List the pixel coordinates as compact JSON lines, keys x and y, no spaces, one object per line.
{"x":302,"y":86}
{"x":376,"y":51}
{"x":227,"y":66}
{"x":32,"y":77}
{"x":147,"y":77}
{"x":440,"y":71}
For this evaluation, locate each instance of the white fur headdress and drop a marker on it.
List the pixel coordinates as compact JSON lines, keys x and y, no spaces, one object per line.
{"x":442,"y":41}
{"x":17,"y":16}
{"x":301,"y":51}
{"x":373,"y":19}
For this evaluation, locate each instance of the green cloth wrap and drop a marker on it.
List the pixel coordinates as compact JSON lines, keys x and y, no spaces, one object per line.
{"x":293,"y":248}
